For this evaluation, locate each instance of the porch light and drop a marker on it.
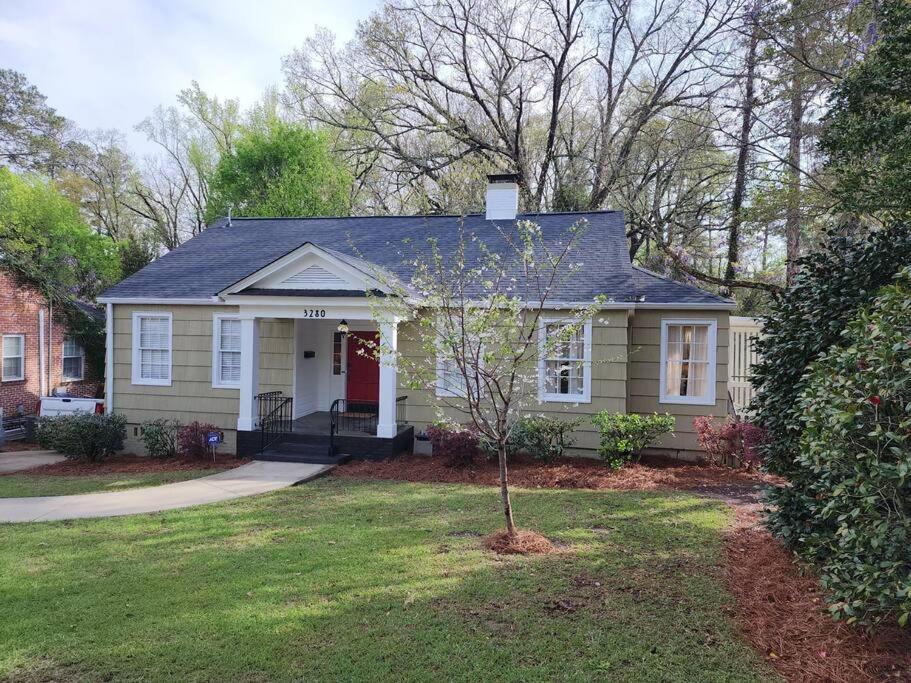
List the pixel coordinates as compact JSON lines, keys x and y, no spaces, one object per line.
{"x":343,"y":327}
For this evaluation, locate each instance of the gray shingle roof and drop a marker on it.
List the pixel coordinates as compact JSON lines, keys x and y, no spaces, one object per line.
{"x":222,"y":255}
{"x":658,"y":289}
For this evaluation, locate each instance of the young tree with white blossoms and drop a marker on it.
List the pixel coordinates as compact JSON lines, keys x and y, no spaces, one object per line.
{"x":478,"y":312}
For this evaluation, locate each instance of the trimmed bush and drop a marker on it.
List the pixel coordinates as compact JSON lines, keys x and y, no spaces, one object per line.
{"x":728,"y":442}
{"x":159,"y":437}
{"x":457,"y":444}
{"x":83,"y":436}
{"x":848,"y":504}
{"x":623,"y":436}
{"x":544,"y":438}
{"x":192,"y":439}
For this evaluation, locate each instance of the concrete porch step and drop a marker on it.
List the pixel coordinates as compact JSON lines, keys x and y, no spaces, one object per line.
{"x":317,"y":454}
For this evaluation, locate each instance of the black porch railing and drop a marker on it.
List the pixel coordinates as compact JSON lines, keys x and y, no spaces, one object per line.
{"x":359,"y":416}
{"x":275,"y":417}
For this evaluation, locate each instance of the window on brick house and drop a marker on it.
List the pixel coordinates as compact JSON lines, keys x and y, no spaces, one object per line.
{"x":73,"y":360}
{"x":13,"y":357}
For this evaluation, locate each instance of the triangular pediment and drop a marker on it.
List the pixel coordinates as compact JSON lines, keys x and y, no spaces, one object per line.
{"x":310,"y":268}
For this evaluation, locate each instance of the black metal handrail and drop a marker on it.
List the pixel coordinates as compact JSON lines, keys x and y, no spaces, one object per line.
{"x":275,"y":417}
{"x":359,"y":416}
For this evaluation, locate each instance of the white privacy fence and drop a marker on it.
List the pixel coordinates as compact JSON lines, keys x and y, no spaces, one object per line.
{"x":742,"y":358}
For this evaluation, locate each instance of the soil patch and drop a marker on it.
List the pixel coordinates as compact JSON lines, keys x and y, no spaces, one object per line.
{"x":568,"y":473}
{"x":19,"y":446}
{"x":523,"y":543}
{"x":133,"y":464}
{"x":782,"y":612}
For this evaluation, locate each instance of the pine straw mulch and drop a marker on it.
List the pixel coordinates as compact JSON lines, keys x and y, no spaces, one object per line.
{"x":523,"y":543}
{"x":778,"y":608}
{"x":568,"y":473}
{"x":781,"y":612}
{"x":133,"y":464}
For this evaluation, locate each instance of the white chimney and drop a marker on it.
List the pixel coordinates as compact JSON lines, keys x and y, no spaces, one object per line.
{"x":502,"y":196}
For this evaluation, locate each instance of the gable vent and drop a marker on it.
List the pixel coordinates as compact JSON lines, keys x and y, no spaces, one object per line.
{"x":315,"y":277}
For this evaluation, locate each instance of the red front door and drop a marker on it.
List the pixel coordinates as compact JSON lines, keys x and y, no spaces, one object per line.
{"x":363,"y":376}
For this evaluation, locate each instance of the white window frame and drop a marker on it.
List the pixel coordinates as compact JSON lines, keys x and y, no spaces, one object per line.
{"x":137,"y":363}
{"x":217,"y":382}
{"x":441,"y":382}
{"x":21,"y":358}
{"x":586,"y":395}
{"x":711,"y":369}
{"x":63,"y":376}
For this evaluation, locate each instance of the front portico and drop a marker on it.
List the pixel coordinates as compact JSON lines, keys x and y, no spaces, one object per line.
{"x":336,"y":338}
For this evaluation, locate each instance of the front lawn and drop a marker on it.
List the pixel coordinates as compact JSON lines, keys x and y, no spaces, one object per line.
{"x":348,"y":579}
{"x":27,"y":485}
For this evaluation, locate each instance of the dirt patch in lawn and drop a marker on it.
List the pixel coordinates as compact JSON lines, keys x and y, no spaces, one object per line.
{"x":19,"y":446}
{"x":782,"y":612}
{"x":133,"y":464}
{"x":568,"y":473}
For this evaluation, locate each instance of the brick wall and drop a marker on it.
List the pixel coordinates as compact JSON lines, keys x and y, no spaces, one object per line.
{"x":19,"y":307}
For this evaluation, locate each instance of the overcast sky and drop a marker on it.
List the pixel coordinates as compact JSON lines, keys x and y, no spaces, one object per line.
{"x":108,"y":63}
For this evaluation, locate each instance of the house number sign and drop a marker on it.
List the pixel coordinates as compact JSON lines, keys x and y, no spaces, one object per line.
{"x":314,"y":313}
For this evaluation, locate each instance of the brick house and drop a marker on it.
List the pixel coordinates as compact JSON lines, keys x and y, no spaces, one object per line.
{"x":38,"y":355}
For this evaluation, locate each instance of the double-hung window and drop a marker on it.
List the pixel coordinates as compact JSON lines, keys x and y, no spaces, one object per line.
{"x":13,"y":357}
{"x":687,"y":372}
{"x":73,"y":360}
{"x":564,"y":361}
{"x":450,"y":380}
{"x":152,"y":348}
{"x":225,"y":352}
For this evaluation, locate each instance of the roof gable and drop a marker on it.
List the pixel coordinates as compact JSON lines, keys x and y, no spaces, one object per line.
{"x":308,"y":267}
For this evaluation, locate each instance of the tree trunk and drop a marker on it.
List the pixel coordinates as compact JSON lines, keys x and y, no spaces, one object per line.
{"x":743,"y":153}
{"x":504,"y":489}
{"x":795,"y":139}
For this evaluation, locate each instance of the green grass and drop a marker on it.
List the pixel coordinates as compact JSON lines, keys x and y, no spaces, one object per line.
{"x":27,"y":485}
{"x":348,"y":580}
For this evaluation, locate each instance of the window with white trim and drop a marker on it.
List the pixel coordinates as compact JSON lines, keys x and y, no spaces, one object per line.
{"x":564,"y":361}
{"x":152,"y":348}
{"x":225,"y":352}
{"x":688,"y":361}
{"x":450,"y":380}
{"x":13,"y":357}
{"x":73,"y":360}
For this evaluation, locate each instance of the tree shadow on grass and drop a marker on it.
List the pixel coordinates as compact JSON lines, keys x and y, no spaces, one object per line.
{"x":372,"y":580}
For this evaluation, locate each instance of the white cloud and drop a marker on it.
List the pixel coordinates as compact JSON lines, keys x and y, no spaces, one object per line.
{"x":108,"y":63}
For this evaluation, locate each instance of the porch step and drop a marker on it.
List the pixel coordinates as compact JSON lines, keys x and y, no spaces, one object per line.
{"x":317,"y":454}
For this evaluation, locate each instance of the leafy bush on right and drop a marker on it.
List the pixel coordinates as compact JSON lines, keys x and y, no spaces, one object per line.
{"x":848,"y":505}
{"x":624,"y":436}
{"x":83,"y":436}
{"x":159,"y":437}
{"x":544,"y":438}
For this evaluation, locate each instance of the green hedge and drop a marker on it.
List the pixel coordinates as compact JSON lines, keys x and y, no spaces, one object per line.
{"x":83,"y":436}
{"x":848,"y":506}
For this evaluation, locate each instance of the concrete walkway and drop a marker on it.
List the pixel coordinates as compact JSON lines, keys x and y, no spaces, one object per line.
{"x":23,"y":460}
{"x":247,"y":480}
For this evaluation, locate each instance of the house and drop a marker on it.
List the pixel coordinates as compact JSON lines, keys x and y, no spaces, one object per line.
{"x":40,"y":356}
{"x":251,"y":324}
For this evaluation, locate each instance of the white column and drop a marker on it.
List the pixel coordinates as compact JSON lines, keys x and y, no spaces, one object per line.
{"x":386,"y":426}
{"x":249,"y":373}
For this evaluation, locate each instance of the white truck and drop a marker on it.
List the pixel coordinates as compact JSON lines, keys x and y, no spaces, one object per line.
{"x":66,"y":405}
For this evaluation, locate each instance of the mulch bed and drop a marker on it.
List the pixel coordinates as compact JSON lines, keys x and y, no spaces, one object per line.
{"x":781,"y":612}
{"x":569,"y":473}
{"x":19,"y":446}
{"x":778,"y":607}
{"x":133,"y":464}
